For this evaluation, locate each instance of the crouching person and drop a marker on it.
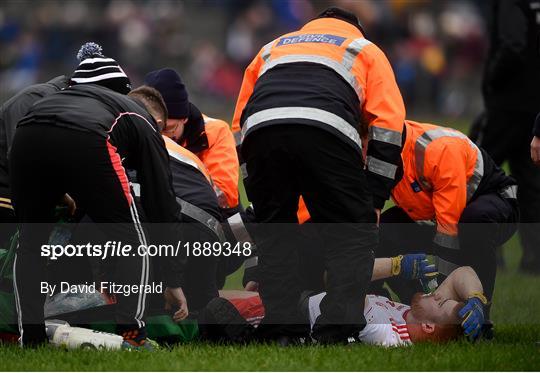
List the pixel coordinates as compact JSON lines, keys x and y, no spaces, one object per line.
{"x":79,"y":140}
{"x":201,"y":214}
{"x":452,"y":201}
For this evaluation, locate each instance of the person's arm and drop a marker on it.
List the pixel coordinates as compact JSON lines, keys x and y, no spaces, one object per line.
{"x":464,"y":285}
{"x":409,"y":266}
{"x":382,"y":268}
{"x":384,"y":113}
{"x":444,"y":169}
{"x":221,"y":161}
{"x":248,"y":84}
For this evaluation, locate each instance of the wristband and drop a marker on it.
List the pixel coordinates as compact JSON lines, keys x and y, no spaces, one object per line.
{"x":396,"y":265}
{"x":480,"y":296}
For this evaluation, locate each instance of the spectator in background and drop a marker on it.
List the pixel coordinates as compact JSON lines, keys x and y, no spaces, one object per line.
{"x":437,"y":74}
{"x":512,"y":100}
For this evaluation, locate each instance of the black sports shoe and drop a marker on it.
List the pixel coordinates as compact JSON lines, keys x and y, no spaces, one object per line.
{"x":221,"y":322}
{"x":135,"y":339}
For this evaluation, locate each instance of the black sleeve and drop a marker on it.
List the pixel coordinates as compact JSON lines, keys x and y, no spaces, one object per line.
{"x":142,"y":149}
{"x":17,"y":107}
{"x":381,"y":185}
{"x":510,"y":28}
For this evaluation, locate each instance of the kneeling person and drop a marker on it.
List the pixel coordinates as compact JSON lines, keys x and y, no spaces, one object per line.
{"x":452,"y":201}
{"x":192,"y":185}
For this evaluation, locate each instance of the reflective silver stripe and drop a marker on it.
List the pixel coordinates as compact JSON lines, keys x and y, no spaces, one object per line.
{"x":136,"y":189}
{"x":266,"y":51}
{"x":237,"y":138}
{"x":184,"y":159}
{"x":430,"y":223}
{"x":239,"y":229}
{"x":328,"y":62}
{"x":382,"y":168}
{"x":208,"y":119}
{"x":385,"y":135}
{"x":478,"y":174}
{"x":509,"y":192}
{"x":445,"y":267}
{"x":141,"y":302}
{"x":445,"y":240}
{"x":420,"y":152}
{"x":243,"y":170}
{"x":198,"y":214}
{"x":17,"y":299}
{"x":251,"y":262}
{"x":309,"y":113}
{"x":353,"y":50}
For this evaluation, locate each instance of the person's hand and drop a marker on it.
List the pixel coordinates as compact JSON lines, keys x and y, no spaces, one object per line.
{"x":175,"y":298}
{"x":70,"y":204}
{"x":252,"y":286}
{"x":413,"y":267}
{"x":472,"y":316}
{"x":535,"y":150}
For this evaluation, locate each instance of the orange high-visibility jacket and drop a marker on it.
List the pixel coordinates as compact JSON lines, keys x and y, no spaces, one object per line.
{"x":339,"y":46}
{"x":221,"y":160}
{"x":442,"y":169}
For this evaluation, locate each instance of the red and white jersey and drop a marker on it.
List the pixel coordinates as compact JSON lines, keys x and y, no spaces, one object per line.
{"x":386,"y":325}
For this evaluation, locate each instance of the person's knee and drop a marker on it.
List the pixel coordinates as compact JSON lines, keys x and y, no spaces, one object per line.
{"x":395,"y":215}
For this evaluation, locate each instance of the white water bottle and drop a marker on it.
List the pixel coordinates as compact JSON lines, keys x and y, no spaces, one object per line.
{"x":62,"y":335}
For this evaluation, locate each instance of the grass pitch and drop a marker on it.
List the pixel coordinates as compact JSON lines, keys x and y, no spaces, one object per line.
{"x":516,"y":346}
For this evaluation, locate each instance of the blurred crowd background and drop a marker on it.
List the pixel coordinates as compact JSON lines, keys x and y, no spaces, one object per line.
{"x":436,"y":47}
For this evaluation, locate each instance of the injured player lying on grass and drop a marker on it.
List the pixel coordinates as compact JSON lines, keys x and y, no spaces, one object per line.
{"x":454,"y":309}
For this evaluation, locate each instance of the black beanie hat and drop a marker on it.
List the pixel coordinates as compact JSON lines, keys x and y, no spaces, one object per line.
{"x":170,"y":85}
{"x":342,"y":14}
{"x":95,"y":68}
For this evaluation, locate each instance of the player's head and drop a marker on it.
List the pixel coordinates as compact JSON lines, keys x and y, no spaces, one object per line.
{"x":153,"y":102}
{"x":170,"y":85}
{"x":95,"y":68}
{"x":433,"y":319}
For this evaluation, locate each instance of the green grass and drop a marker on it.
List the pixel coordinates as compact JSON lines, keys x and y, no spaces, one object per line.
{"x":506,"y":354}
{"x":516,"y":346}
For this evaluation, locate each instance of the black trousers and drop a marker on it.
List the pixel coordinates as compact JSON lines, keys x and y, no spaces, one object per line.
{"x":284,"y":162}
{"x":8,"y":225}
{"x":46,"y":162}
{"x":486,"y":223}
{"x":506,"y":135}
{"x":200,"y":277}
